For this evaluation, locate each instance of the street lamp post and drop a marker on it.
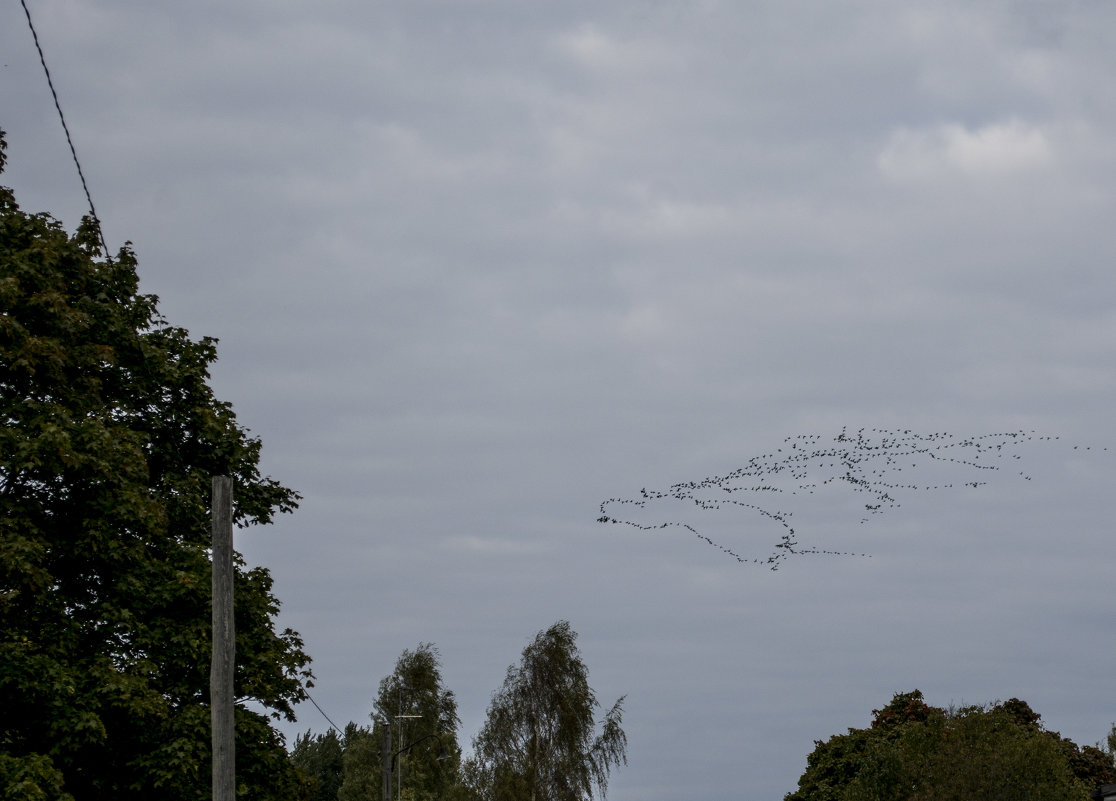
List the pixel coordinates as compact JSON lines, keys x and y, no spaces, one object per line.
{"x":387,"y":759}
{"x":401,"y":717}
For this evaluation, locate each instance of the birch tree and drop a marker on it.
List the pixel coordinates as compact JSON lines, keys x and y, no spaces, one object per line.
{"x":540,"y":741}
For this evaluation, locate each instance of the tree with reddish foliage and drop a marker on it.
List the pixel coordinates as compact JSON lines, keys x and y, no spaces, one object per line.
{"x":904,"y":708}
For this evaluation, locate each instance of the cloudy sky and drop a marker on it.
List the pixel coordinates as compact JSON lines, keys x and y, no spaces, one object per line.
{"x":477,"y":267}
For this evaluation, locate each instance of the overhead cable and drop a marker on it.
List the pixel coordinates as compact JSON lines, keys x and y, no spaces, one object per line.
{"x":66,"y":129}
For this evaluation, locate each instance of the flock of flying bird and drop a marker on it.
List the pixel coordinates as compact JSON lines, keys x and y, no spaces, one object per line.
{"x":866,"y":461}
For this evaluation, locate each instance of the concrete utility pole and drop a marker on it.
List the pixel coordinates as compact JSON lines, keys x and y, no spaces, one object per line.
{"x":224,"y":645}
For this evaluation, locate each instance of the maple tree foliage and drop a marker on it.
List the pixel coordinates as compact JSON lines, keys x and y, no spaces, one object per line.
{"x":111,"y":436}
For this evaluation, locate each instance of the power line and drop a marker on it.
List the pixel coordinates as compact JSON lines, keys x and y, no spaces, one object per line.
{"x":324,"y":715}
{"x":97,"y":220}
{"x":66,"y":129}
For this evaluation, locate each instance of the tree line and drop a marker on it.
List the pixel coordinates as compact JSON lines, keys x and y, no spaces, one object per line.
{"x":541,"y":739}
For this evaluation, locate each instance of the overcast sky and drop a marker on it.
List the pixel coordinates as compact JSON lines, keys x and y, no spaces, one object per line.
{"x":476,"y":267}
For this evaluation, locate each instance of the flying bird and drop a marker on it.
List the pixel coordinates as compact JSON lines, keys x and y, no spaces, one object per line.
{"x":866,"y":461}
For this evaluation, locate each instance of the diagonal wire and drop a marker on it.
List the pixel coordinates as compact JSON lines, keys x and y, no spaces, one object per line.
{"x":324,"y":715}
{"x":66,"y":129}
{"x":97,"y":220}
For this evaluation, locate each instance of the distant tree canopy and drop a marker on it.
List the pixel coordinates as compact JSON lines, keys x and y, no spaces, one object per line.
{"x":422,"y":716}
{"x":539,"y":743}
{"x":110,"y":438}
{"x":320,"y":759}
{"x":916,"y":752}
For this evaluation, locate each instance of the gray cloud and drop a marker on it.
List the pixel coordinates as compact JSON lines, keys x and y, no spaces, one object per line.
{"x":477,"y":267}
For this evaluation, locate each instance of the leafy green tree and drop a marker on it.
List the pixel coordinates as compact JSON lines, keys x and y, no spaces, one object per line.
{"x":1108,"y":747}
{"x":1090,"y":765}
{"x":915,"y":752}
{"x":423,"y":717}
{"x":835,"y":763}
{"x":360,"y":769}
{"x":110,"y":438}
{"x":539,"y":742}
{"x":32,"y":777}
{"x":320,"y":760}
{"x":980,"y":752}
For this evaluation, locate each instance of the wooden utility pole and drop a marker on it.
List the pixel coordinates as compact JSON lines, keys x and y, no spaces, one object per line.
{"x":385,"y":761}
{"x":224,"y":644}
